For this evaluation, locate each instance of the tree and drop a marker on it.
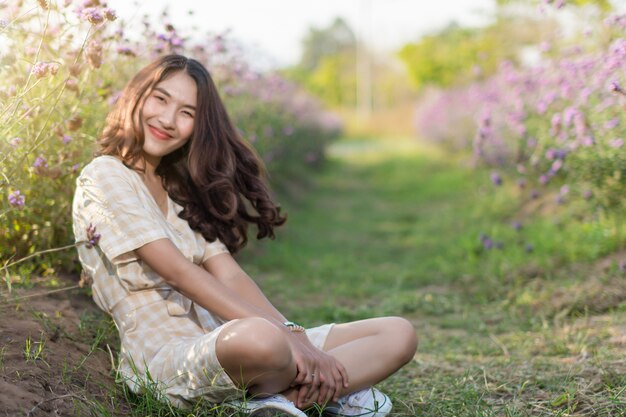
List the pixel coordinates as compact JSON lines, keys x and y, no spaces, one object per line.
{"x":319,"y":44}
{"x":456,"y":54}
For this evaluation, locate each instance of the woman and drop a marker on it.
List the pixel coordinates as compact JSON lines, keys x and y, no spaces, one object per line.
{"x":171,"y":194}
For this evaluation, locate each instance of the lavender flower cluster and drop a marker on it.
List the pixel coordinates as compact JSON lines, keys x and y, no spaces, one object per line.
{"x":559,"y":125}
{"x":17,"y":199}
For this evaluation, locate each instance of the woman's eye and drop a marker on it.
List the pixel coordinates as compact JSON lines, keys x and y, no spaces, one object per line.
{"x":186,"y":113}
{"x":160,"y":98}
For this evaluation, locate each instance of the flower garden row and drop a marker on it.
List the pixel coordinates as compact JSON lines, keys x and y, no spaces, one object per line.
{"x":555,"y":131}
{"x":62,"y":65}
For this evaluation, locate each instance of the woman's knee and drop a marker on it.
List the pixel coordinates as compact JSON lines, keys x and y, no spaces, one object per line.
{"x":254,"y":342}
{"x":404,"y":337}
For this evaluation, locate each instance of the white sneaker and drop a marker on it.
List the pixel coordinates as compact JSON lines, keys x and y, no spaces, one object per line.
{"x":276,"y":405}
{"x":368,"y":402}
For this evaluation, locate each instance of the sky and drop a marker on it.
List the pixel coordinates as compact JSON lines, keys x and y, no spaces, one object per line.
{"x":273,"y":29}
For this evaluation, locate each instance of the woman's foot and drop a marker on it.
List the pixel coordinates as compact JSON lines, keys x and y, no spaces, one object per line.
{"x":368,"y":402}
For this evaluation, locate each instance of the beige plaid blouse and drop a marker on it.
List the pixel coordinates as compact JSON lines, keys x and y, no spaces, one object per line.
{"x":168,"y":342}
{"x":161,"y":330}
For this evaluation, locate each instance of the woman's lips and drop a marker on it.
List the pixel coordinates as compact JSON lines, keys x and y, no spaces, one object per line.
{"x":159,"y":134}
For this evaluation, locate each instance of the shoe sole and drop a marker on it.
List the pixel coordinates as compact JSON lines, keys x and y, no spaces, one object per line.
{"x":383,"y":409}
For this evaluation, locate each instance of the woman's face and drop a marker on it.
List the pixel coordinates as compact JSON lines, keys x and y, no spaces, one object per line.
{"x":168,"y":115}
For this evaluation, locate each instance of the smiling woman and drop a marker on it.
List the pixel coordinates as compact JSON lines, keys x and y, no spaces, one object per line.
{"x":167,"y":116}
{"x":169,"y":195}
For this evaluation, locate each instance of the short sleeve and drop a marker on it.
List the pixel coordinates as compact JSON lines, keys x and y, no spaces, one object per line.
{"x":211,"y":249}
{"x":107,"y":198}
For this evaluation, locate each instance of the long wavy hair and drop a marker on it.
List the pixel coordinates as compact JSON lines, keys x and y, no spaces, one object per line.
{"x":216,"y":177}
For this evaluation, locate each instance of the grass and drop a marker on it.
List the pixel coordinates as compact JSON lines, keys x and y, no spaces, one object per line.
{"x":393,"y":228}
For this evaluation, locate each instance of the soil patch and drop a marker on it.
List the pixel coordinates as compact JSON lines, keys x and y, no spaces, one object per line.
{"x":54,"y":354}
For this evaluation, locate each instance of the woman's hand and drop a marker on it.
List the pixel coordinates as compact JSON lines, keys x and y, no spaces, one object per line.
{"x":320,"y":376}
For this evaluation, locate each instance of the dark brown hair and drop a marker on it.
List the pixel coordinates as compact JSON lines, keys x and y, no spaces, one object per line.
{"x":217,"y":178}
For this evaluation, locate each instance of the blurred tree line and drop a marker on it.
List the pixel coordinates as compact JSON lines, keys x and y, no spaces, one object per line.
{"x":328,"y":68}
{"x":452,"y":56}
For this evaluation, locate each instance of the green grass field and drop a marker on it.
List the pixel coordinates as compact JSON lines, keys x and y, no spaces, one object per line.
{"x":393,"y":228}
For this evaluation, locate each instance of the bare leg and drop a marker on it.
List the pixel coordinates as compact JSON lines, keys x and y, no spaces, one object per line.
{"x":373,"y":349}
{"x":370,"y":350}
{"x":256,"y":355}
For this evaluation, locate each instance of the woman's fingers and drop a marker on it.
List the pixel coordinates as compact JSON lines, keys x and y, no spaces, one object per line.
{"x":327,"y":390}
{"x":345,"y":380}
{"x":303,"y":395}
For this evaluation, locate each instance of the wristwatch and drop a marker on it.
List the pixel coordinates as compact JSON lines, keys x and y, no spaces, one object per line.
{"x":296,"y":328}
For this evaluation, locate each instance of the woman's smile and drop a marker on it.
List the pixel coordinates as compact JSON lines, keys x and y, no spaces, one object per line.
{"x":159,"y":134}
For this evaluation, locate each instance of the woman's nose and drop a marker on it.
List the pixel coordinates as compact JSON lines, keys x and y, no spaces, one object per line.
{"x":167,"y":117}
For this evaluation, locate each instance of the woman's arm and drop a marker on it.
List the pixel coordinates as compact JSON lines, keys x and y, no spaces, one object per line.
{"x":229,"y":273}
{"x":197,"y":283}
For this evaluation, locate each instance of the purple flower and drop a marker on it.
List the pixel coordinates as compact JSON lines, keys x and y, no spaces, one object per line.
{"x":109,"y":14}
{"x":40,"y":161}
{"x":587,"y":194}
{"x":40,"y":70}
{"x":125,"y":50}
{"x":555,"y":123}
{"x":521,"y":183}
{"x":16,"y":199}
{"x":611,"y":124}
{"x":616,"y":88}
{"x":588,"y":141}
{"x":74,"y":168}
{"x":15,"y":142}
{"x":616,"y":143}
{"x":93,"y":15}
{"x":529,"y":248}
{"x":542,"y":107}
{"x":66,"y":139}
{"x":488,"y":243}
{"x":496,"y":179}
{"x":545,"y":46}
{"x":114,"y":97}
{"x":516,"y":225}
{"x":92,"y":237}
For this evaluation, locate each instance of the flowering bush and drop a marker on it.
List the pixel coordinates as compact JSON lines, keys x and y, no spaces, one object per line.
{"x":61,"y":67}
{"x":557,"y":129}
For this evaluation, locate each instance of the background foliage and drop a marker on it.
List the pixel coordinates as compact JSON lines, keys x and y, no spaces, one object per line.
{"x":61,"y":66}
